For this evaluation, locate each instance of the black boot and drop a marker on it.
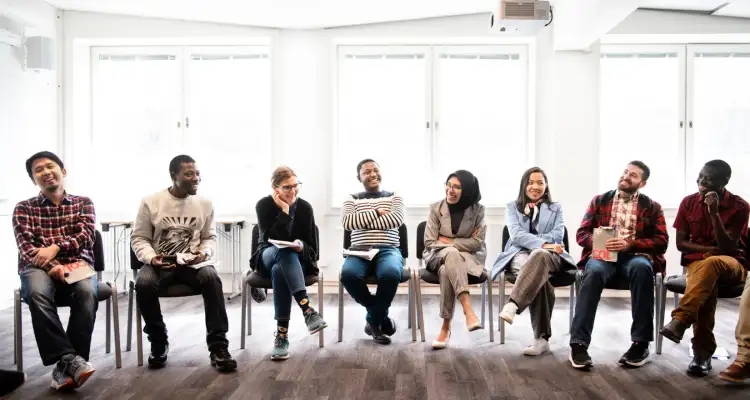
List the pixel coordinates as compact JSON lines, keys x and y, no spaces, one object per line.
{"x":222,"y":360}
{"x":158,"y":356}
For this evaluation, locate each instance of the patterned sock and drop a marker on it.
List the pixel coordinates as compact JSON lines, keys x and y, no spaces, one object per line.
{"x":283,"y":328}
{"x":302,"y":300}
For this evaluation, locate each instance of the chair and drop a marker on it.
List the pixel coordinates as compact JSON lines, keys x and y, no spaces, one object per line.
{"x":559,"y":279}
{"x":173,"y":290}
{"x":107,"y":291}
{"x":258,"y":280}
{"x":433,"y":278}
{"x":677,"y":284}
{"x":406,"y":275}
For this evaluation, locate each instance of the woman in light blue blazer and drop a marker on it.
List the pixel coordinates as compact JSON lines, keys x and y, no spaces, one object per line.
{"x":533,"y":253}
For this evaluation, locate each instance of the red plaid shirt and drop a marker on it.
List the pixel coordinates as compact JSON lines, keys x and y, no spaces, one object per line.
{"x":693,"y":219}
{"x":37,"y":223}
{"x":651,"y":237}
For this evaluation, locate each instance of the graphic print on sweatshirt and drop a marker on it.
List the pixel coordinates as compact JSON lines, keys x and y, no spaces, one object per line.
{"x":176,"y":234}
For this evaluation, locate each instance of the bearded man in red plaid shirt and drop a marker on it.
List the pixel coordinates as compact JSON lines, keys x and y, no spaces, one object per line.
{"x":54,"y":229}
{"x":640,"y":243}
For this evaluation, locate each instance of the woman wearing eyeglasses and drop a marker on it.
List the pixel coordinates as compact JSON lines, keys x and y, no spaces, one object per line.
{"x":283,"y":216}
{"x":534,"y":252}
{"x":455,"y":248}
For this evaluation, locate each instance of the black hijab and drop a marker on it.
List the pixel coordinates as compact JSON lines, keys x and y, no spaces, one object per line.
{"x":470,"y":195}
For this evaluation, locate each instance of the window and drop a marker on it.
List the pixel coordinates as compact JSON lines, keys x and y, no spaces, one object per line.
{"x":688,"y":103}
{"x":151,"y":104}
{"x":641,"y":109}
{"x":424,"y":111}
{"x":719,"y":104}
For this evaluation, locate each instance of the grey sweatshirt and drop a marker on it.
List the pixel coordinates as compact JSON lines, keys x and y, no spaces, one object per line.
{"x":168,"y":225}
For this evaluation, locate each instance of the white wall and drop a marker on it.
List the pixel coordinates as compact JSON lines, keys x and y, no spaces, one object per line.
{"x":566,"y":92}
{"x":28,"y":121}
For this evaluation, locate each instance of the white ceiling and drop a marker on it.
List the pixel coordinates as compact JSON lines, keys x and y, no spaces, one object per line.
{"x":290,"y":14}
{"x":727,"y":8}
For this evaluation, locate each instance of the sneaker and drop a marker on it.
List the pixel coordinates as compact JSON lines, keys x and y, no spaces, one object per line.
{"x":637,"y":355}
{"x":579,"y":356}
{"x":61,"y":380}
{"x":377,"y":334}
{"x":158,"y":356}
{"x":280,"y":347}
{"x":540,"y":346}
{"x":222,"y":360}
{"x":738,"y":372}
{"x":388,"y":326}
{"x":509,"y":312}
{"x":77,"y":368}
{"x":314,"y":321}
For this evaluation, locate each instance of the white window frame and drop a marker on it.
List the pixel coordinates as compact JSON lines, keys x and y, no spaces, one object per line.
{"x":430,"y":49}
{"x":680,"y":50}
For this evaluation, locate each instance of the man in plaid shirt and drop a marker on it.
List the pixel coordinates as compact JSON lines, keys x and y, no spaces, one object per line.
{"x":53,"y":229}
{"x":641,"y":242}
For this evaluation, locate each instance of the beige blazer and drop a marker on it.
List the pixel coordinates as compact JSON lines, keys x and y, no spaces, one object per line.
{"x":472,"y":247}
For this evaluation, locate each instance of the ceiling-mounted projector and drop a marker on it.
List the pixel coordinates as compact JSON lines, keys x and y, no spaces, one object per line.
{"x":521,"y":17}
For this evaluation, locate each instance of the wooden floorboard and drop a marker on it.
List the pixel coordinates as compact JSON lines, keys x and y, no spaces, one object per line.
{"x":357,"y":368}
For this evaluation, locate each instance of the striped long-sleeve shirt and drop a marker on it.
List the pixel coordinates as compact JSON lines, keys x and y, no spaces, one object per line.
{"x":369,"y":229}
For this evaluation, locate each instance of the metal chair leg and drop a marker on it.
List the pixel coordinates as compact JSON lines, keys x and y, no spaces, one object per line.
{"x":488,"y":283}
{"x":484,"y":301}
{"x":420,"y":313}
{"x":249,"y":313}
{"x":572,"y":306}
{"x":413,"y":282}
{"x":341,"y":309}
{"x":138,"y":336}
{"x":411,"y":302}
{"x":15,"y":328}
{"x":131,"y":293}
{"x":19,"y":331}
{"x":676,"y":300}
{"x":107,"y":341}
{"x":501,"y":303}
{"x":116,"y":322}
{"x":243,"y":317}
{"x":321,"y":338}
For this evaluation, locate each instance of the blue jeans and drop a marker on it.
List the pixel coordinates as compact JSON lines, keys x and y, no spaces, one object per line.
{"x":387,"y":267}
{"x":640,"y":277}
{"x":42,"y":294}
{"x":287,"y":278}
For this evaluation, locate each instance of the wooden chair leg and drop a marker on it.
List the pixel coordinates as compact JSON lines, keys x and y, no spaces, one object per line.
{"x":116,"y":321}
{"x":341,"y":309}
{"x":420,"y":311}
{"x":243,"y":317}
{"x":321,"y":337}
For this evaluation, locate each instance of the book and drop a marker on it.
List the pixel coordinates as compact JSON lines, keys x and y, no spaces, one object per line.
{"x":282,"y":244}
{"x":599,"y":250}
{"x":77,"y":271}
{"x":184,"y":259}
{"x":365,"y":254}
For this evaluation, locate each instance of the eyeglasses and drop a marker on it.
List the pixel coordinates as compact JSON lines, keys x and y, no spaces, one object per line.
{"x":288,"y":188}
{"x":454,"y":187}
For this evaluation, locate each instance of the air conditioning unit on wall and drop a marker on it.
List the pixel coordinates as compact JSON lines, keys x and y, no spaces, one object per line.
{"x":521,"y":17}
{"x":11,"y":32}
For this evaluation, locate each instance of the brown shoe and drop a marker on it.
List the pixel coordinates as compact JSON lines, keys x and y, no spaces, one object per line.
{"x":674,"y":330}
{"x":736,"y":373}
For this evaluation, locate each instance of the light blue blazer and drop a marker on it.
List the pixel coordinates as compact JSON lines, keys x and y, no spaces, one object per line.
{"x":551,"y":229}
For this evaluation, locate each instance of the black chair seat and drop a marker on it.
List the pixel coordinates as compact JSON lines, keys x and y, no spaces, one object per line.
{"x":677,"y":283}
{"x":105,"y":292}
{"x":560,"y":279}
{"x":258,"y":280}
{"x":405,"y":275}
{"x":431,"y":277}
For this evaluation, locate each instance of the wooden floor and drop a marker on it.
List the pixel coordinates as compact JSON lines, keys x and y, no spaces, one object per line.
{"x":472,"y":368}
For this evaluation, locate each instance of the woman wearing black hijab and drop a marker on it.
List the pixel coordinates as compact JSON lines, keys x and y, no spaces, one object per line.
{"x":455,"y":248}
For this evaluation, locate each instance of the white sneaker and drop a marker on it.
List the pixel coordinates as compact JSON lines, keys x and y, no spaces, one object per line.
{"x":509,"y":312}
{"x":540,"y":346}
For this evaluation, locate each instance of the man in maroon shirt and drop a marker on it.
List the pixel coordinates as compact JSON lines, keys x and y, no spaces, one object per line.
{"x":53,"y":229}
{"x":711,"y":225}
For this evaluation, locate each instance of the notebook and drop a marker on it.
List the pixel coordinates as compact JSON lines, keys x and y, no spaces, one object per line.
{"x":77,"y":271}
{"x":599,"y":251}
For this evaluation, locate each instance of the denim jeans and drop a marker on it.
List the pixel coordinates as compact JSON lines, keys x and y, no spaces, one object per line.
{"x":287,"y":278}
{"x":204,"y":280}
{"x":42,"y":293}
{"x":640,"y":276}
{"x":387,"y":267}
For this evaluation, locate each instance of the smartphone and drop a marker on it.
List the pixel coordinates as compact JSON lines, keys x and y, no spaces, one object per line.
{"x":170,"y":259}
